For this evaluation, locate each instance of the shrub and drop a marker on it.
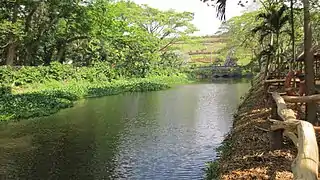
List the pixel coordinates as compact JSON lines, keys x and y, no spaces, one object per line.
{"x":4,"y":90}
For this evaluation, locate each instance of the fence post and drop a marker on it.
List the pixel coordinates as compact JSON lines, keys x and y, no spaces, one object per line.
{"x":276,"y":137}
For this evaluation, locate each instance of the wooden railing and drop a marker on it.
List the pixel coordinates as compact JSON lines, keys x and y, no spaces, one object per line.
{"x":302,"y":133}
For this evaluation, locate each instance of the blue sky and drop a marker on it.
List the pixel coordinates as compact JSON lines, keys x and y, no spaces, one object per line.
{"x":205,"y":17}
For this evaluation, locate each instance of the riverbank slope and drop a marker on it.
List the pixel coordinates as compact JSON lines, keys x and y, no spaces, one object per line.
{"x":245,"y":152}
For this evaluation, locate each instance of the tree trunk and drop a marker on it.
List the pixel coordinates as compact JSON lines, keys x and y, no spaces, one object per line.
{"x":29,"y":52}
{"x":11,"y":54}
{"x":48,"y":55}
{"x":11,"y":51}
{"x":309,"y":63}
{"x":60,"y":51}
{"x":292,"y":36}
{"x":278,"y":53}
{"x":268,"y":59}
{"x":259,"y":60}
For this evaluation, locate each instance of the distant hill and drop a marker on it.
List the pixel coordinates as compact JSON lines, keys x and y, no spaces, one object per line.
{"x":204,"y":49}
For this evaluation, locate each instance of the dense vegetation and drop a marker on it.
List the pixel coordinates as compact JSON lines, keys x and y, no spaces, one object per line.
{"x":43,"y":90}
{"x":131,"y":38}
{"x":56,"y":52}
{"x":266,"y":33}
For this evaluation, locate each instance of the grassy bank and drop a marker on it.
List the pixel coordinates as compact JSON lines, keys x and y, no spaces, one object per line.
{"x":37,"y":95}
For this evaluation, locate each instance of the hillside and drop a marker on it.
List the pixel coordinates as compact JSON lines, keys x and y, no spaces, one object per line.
{"x":213,"y":49}
{"x":205,"y":49}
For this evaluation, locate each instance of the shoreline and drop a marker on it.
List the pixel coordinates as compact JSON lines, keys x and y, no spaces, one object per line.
{"x":44,"y":99}
{"x":245,"y":153}
{"x":39,"y":100}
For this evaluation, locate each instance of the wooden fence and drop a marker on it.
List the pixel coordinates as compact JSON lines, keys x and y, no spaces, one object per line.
{"x":302,"y":133}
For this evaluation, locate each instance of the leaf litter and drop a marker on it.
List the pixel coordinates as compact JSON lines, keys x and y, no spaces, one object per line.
{"x":249,"y":156}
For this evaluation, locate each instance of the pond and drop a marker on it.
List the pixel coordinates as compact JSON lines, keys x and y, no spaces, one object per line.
{"x":168,"y":134}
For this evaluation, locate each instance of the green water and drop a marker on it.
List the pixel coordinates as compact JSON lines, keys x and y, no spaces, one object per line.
{"x":154,"y":135}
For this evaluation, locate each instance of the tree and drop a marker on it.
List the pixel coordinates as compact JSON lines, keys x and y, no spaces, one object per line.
{"x":168,"y":26}
{"x":309,"y":62}
{"x":9,"y":20}
{"x":238,"y":29}
{"x":292,"y":33}
{"x":129,"y":37}
{"x":308,"y":54}
{"x":274,"y":20}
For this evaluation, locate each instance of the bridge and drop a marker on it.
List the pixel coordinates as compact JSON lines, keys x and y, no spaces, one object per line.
{"x":215,"y":71}
{"x":229,"y":69}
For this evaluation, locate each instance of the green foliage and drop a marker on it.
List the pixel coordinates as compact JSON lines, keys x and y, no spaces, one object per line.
{"x":212,"y":170}
{"x":129,"y":37}
{"x":30,"y":105}
{"x":167,"y":26}
{"x":24,"y":75}
{"x":265,"y":34}
{"x":4,"y":90}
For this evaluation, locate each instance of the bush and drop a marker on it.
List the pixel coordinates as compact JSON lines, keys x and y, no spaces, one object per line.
{"x":6,"y":75}
{"x":4,"y":90}
{"x":56,"y":71}
{"x":28,"y":75}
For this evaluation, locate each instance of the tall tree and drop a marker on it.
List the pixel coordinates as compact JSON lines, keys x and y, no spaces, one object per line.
{"x":168,"y":26}
{"x":309,"y":62}
{"x":274,"y":20}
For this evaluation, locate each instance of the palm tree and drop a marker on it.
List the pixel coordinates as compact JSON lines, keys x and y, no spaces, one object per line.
{"x":273,"y":22}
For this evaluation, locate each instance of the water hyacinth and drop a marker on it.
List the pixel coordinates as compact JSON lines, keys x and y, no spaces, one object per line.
{"x":47,"y":98}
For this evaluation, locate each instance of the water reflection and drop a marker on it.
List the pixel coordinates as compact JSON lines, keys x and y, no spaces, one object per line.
{"x":155,"y":135}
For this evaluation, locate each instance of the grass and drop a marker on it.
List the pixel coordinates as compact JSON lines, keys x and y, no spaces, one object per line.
{"x":223,"y":151}
{"x":213,"y":43}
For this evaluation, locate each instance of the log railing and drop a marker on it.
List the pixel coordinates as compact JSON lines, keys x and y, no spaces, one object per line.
{"x":305,"y":165}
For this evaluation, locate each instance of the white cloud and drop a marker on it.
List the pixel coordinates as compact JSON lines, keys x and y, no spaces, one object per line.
{"x":205,"y":16}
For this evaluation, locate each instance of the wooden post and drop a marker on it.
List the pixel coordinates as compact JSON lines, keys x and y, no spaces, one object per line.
{"x":276,"y":137}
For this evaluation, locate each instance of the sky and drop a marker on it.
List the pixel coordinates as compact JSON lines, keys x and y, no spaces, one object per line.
{"x":205,"y":18}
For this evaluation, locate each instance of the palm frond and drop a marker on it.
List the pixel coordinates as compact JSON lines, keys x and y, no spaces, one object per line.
{"x":287,"y":31}
{"x":264,"y":35}
{"x":284,"y":20}
{"x":220,"y":7}
{"x":256,"y":29}
{"x":263,"y":16}
{"x":282,"y":10}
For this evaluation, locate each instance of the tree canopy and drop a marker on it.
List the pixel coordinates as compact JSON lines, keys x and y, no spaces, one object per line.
{"x":126,"y":35}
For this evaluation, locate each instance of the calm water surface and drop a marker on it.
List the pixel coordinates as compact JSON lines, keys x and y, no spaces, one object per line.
{"x":154,"y":135}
